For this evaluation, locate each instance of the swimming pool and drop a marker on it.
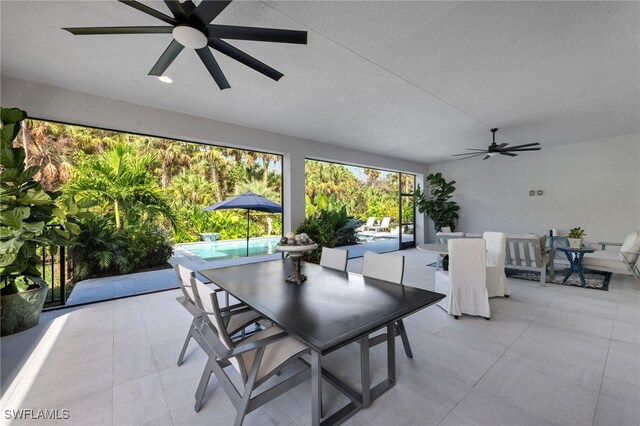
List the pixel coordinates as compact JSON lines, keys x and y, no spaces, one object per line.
{"x":216,"y":250}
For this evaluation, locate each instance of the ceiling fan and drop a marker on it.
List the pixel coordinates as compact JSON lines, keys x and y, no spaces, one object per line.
{"x":502,"y":149}
{"x":191,"y":27}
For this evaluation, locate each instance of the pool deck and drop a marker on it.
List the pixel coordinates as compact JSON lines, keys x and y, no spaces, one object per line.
{"x":107,"y":288}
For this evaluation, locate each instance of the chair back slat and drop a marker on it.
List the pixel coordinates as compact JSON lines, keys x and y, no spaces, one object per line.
{"x":334,"y":258}
{"x":383,"y":267}
{"x":523,"y":252}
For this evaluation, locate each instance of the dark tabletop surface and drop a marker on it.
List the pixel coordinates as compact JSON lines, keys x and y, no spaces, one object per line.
{"x":327,"y":311}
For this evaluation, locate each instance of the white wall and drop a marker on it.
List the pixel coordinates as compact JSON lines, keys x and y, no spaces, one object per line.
{"x":54,"y":103}
{"x":592,"y":184}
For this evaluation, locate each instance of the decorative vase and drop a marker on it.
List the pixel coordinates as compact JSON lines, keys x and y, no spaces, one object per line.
{"x":575,"y":243}
{"x":21,"y":311}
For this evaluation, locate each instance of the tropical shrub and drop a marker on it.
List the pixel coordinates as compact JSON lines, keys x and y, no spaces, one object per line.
{"x":329,"y":228}
{"x":103,"y":250}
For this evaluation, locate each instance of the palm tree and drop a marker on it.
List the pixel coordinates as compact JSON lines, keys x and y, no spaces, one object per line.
{"x":119,"y":180}
{"x":260,"y":188}
{"x":47,"y":145}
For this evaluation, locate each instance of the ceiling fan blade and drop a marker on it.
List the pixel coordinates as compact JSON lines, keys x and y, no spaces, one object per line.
{"x":475,"y":149}
{"x":522,"y":149}
{"x":483,"y":151}
{"x":526,"y":145}
{"x":118,"y":30}
{"x":508,"y":153}
{"x":257,"y":34}
{"x":150,"y":11}
{"x":166,"y":58}
{"x":487,"y":157}
{"x":208,"y":10}
{"x":237,"y":54}
{"x":176,"y":8}
{"x":502,"y":145}
{"x":213,"y":67}
{"x":470,"y":156}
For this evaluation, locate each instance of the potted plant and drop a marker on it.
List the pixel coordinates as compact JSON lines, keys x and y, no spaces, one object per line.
{"x":25,"y":211}
{"x":439,"y":207}
{"x":575,"y":237}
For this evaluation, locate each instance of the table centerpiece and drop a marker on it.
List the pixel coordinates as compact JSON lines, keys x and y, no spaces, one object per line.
{"x":296,"y":245}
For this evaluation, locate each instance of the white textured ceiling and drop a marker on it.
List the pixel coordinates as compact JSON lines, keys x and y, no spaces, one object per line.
{"x":415,"y":80}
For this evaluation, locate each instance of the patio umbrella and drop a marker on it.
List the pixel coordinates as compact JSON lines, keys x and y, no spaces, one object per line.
{"x":248,"y":201}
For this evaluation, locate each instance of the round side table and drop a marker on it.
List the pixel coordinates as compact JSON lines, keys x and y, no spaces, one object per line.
{"x":575,"y":256}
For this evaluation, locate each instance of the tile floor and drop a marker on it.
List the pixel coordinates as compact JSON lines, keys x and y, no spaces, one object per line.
{"x":549,"y":355}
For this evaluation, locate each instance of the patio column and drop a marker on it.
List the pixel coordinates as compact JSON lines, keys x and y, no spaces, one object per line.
{"x":293,"y":190}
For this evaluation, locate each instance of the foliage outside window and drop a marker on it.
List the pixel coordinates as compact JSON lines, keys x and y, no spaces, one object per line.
{"x":148,"y":192}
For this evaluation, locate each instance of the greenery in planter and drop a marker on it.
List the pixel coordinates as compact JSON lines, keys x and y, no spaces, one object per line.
{"x":439,"y":208}
{"x":329,"y":228}
{"x":29,"y":220}
{"x":25,"y":210}
{"x":576,"y":233}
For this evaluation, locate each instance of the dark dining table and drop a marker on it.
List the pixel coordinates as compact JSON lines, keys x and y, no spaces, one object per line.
{"x":328,"y":311}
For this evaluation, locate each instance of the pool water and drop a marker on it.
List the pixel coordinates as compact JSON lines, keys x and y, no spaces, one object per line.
{"x":216,"y":250}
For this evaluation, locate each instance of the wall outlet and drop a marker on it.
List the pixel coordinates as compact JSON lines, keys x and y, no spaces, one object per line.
{"x":532,"y":193}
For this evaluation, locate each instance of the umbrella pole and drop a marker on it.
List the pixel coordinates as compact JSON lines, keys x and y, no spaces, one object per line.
{"x":248,"y":210}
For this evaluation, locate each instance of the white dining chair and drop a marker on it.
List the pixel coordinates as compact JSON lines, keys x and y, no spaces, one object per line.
{"x":389,"y":268}
{"x":256,"y":359}
{"x":334,"y":258}
{"x":236,"y":322}
{"x":465,"y":283}
{"x":497,"y":284}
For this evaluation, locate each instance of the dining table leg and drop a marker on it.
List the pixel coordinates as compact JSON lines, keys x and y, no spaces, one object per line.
{"x":316,"y":387}
{"x":365,"y":377}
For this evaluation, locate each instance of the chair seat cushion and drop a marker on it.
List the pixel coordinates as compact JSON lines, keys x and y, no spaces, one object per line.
{"x":604,"y":259}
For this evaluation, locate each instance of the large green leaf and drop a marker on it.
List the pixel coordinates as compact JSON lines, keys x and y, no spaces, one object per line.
{"x":12,"y":115}
{"x":10,"y":246}
{"x":33,"y":226}
{"x":13,"y":218}
{"x":7,"y":259}
{"x":6,"y":232}
{"x":72,"y":227}
{"x":36,"y":197}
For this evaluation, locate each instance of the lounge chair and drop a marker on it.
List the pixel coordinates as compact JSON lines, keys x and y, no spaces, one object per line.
{"x":369,"y":224}
{"x":625,"y":261}
{"x":384,"y":224}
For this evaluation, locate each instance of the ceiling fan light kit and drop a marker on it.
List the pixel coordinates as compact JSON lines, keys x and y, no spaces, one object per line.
{"x":189,"y":37}
{"x":503,"y":149}
{"x":191,"y":27}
